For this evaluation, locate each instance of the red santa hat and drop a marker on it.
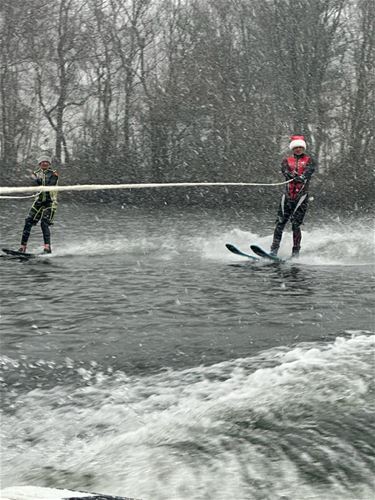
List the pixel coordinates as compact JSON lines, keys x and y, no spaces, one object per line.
{"x":297,"y":141}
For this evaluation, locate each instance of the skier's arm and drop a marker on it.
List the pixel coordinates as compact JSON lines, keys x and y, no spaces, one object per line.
{"x":310,"y":169}
{"x":52,"y":179}
{"x":285,"y":170}
{"x":37,"y":178}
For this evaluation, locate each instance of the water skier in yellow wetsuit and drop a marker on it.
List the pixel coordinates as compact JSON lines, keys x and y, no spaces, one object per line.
{"x":44,"y":207}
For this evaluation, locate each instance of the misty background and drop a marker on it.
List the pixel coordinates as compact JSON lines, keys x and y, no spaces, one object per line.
{"x":196,"y":90}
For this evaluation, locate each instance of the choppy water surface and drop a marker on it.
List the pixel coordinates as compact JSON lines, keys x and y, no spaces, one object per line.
{"x":143,"y":359}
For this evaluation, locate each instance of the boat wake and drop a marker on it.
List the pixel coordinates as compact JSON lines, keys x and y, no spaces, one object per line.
{"x":292,"y":422}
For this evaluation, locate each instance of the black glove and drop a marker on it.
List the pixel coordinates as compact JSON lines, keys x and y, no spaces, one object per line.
{"x":288,"y":176}
{"x":37,"y":179}
{"x":299,"y":178}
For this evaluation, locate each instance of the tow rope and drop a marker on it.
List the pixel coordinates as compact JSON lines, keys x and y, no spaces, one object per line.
{"x":21,"y":197}
{"x":102,"y":187}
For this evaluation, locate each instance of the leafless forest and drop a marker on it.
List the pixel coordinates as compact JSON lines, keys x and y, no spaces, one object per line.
{"x":194,"y":90}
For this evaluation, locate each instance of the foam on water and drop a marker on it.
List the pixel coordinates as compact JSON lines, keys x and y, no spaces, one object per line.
{"x":287,"y":423}
{"x":325,"y":245}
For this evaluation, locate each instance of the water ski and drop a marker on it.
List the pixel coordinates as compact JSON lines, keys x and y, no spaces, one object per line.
{"x":237,"y":251}
{"x":265,"y":255}
{"x":19,"y":255}
{"x":41,"y":493}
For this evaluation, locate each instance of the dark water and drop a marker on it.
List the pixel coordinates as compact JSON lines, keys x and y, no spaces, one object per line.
{"x":143,"y":359}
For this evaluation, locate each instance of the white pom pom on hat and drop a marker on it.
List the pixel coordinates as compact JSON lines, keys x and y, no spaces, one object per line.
{"x":297,"y":141}
{"x":44,"y":158}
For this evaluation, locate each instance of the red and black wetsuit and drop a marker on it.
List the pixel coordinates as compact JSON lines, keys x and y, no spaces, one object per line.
{"x":295,"y":200}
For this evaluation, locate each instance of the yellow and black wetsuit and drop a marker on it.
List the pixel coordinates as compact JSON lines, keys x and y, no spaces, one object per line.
{"x":44,"y":207}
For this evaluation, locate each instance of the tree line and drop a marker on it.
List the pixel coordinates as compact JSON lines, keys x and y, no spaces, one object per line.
{"x":189,"y":90}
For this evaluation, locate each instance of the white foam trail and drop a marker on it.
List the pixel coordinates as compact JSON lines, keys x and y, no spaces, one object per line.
{"x":328,"y":245}
{"x":205,"y":432}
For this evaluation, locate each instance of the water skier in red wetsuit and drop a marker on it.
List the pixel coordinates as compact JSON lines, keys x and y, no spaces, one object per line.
{"x":299,"y":167}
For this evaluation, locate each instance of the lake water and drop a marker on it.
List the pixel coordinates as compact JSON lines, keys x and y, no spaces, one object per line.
{"x":143,"y":359}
